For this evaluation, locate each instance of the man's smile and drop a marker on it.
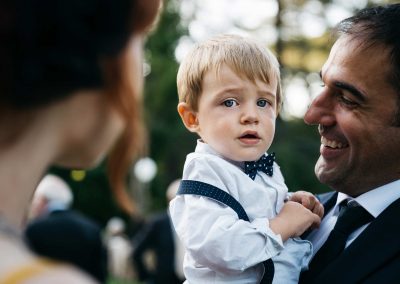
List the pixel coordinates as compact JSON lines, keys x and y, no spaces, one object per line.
{"x":333,"y":144}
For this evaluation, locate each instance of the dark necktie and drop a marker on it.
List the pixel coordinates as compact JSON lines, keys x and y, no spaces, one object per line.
{"x":264,"y":164}
{"x":351,"y":217}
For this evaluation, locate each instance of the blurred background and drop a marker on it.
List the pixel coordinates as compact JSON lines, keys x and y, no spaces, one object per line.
{"x":297,"y":32}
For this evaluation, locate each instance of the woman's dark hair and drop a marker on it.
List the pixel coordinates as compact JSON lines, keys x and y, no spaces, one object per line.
{"x":51,"y":48}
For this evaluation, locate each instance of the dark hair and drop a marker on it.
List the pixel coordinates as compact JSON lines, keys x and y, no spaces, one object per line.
{"x":378,"y":26}
{"x":51,"y":48}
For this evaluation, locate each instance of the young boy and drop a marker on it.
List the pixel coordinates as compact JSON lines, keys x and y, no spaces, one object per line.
{"x":230,"y":95}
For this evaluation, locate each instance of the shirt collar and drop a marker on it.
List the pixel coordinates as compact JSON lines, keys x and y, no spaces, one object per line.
{"x":204,"y":148}
{"x":376,"y":200}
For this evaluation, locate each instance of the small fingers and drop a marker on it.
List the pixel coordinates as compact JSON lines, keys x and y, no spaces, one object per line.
{"x":316,"y":221}
{"x":319,"y":210}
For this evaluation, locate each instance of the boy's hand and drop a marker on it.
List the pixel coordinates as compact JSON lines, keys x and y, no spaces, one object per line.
{"x":309,"y":201}
{"x":293,"y":220}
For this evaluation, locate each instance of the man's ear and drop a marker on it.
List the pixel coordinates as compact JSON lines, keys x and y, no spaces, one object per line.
{"x":188,"y":116}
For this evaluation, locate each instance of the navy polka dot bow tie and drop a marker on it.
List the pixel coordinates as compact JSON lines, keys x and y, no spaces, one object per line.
{"x":264,"y":164}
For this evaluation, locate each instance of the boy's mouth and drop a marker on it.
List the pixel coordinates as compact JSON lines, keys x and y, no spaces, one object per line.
{"x":249,"y":136}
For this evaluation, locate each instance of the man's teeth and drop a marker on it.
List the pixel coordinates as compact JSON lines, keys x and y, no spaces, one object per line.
{"x":332,"y":144}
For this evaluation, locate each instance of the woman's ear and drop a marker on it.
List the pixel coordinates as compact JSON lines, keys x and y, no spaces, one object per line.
{"x":188,"y":116}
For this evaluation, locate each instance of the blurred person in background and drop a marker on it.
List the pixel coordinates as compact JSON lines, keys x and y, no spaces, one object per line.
{"x":119,"y":250}
{"x":158,"y":252}
{"x":70,"y":93}
{"x":58,"y":232}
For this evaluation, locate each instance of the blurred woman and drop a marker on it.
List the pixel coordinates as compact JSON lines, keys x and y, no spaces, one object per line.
{"x":70,"y":93}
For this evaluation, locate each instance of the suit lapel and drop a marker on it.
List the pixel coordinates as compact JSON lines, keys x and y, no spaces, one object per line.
{"x":328,"y":200}
{"x":376,"y":244}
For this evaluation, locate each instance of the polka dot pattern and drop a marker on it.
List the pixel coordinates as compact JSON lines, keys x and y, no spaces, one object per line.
{"x":264,"y":164}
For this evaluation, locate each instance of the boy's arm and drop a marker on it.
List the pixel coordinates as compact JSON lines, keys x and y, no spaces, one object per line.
{"x":214,"y":236}
{"x":293,"y":220}
{"x":301,"y":212}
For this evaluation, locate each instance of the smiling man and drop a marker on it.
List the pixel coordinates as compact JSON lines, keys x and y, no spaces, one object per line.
{"x":358,"y":118}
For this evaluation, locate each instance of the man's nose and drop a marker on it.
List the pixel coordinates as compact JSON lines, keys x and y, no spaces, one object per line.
{"x":321,"y":110}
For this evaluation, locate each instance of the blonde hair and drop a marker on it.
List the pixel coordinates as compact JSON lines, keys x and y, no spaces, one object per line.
{"x":244,"y":56}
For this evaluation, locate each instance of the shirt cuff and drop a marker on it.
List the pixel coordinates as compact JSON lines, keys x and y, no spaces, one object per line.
{"x":288,"y":196}
{"x":274,"y":243}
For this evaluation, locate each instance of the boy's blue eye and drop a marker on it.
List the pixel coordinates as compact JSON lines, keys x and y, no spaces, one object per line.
{"x":230,"y":103}
{"x":262,"y":103}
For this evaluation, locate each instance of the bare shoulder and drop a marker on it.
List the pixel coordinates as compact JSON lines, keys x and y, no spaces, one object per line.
{"x":62,"y":274}
{"x":19,"y":265}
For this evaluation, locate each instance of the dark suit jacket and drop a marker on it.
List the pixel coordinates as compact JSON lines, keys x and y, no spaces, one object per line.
{"x":71,"y":237}
{"x":374,"y":257}
{"x":157,"y":236}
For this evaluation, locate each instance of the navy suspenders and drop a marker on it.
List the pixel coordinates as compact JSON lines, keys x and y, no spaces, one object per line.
{"x":210,"y":191}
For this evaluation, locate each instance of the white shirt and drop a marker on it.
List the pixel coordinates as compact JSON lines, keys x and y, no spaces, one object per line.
{"x":374,"y":201}
{"x":179,"y":255}
{"x":220,"y":248}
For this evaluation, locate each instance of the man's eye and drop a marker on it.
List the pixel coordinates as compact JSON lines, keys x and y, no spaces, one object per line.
{"x":347,"y":101}
{"x":262,"y":103}
{"x":230,"y":103}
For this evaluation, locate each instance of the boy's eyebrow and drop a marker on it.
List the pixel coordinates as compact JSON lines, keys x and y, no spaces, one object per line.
{"x":347,"y":87}
{"x":260,"y":92}
{"x":267,"y":93}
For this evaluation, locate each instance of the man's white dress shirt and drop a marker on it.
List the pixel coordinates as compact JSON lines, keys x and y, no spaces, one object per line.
{"x":374,"y":201}
{"x":220,"y":248}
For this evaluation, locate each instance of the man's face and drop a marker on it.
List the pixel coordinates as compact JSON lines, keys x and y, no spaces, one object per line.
{"x":355,"y":112}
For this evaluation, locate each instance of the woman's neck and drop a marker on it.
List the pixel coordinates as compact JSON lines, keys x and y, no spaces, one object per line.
{"x":22,"y":165}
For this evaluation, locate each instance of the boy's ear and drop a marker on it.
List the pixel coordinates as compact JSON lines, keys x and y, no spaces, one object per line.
{"x":188,"y":116}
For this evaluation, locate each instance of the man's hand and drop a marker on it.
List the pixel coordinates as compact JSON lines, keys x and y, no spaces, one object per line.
{"x":309,"y":201}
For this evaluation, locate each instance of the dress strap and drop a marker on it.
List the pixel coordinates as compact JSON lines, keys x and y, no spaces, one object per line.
{"x":30,"y":270}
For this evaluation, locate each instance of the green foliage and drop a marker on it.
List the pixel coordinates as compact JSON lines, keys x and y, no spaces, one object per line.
{"x":297,"y":149}
{"x":169,"y":140}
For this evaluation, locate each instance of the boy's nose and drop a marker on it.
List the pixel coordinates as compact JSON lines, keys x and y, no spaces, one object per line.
{"x":249,"y":115}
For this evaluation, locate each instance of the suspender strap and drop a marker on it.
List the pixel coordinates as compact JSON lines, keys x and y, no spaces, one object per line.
{"x":210,"y":191}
